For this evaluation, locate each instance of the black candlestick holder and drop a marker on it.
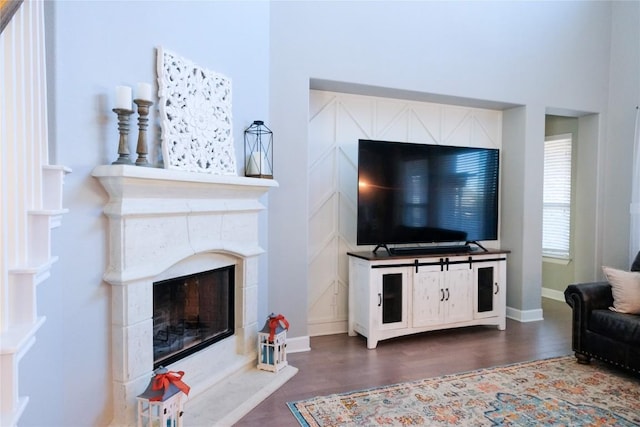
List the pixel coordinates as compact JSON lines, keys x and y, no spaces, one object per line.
{"x":143,"y":124}
{"x":123,"y":128}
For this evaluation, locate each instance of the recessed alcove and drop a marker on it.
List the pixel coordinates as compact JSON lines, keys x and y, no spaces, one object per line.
{"x":522,"y":133}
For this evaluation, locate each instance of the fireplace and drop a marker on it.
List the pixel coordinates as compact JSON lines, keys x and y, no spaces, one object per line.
{"x":191,"y":313}
{"x":163,"y":225}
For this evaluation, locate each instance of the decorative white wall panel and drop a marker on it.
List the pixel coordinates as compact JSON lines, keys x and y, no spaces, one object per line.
{"x":336,"y":122}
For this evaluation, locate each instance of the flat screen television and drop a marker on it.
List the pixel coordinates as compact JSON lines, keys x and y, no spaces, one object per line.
{"x":425,"y":194}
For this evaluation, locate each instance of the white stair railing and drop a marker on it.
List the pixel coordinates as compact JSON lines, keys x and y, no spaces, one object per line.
{"x":30,"y":196}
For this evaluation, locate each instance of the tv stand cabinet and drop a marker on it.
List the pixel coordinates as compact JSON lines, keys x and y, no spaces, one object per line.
{"x":396,"y":295}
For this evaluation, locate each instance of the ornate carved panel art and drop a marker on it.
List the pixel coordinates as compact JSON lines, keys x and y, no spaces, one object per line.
{"x":195,"y":110}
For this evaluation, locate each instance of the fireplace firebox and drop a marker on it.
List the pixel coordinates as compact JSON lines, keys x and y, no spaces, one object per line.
{"x":191,"y":312}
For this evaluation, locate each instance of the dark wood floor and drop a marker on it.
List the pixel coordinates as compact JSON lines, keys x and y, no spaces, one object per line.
{"x":339,"y":363}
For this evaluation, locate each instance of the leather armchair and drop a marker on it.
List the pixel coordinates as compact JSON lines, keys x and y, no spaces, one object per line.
{"x":600,"y":333}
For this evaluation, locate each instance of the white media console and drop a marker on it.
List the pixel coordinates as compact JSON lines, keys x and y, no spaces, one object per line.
{"x":395,"y":295}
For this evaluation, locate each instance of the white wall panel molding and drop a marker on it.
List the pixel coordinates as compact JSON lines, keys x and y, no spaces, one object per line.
{"x":336,"y":122}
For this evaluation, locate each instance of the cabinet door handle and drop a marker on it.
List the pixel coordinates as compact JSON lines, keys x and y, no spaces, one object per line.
{"x":379,"y":300}
{"x":497,"y":288}
{"x":447,"y":295}
{"x":441,"y":295}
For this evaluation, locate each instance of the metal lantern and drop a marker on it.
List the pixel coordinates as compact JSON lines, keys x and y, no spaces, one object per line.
{"x":258,"y":150}
{"x":161,"y":403}
{"x":272,"y":344}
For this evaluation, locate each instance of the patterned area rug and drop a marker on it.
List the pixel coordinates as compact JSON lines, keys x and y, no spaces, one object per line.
{"x":550,"y":392}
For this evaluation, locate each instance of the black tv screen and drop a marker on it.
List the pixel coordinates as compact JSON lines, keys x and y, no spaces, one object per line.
{"x":422,"y":193}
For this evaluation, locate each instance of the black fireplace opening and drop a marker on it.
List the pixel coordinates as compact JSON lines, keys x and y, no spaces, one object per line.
{"x":191,"y":312}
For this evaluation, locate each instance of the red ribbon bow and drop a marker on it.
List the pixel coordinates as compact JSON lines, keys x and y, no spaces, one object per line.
{"x":273,"y":324}
{"x":163,"y":381}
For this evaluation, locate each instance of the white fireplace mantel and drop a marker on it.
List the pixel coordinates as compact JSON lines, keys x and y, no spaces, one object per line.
{"x":165,"y":223}
{"x":166,"y":197}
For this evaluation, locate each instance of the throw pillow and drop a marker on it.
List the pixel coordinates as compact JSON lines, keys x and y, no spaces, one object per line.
{"x":625,"y":286}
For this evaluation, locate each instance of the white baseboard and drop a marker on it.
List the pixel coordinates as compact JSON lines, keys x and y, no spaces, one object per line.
{"x":524,"y":316}
{"x":534,"y":315}
{"x":298,"y":344}
{"x":327,"y":328}
{"x":553,"y":294}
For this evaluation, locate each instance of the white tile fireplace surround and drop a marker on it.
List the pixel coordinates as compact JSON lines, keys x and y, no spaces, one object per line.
{"x":164,"y":224}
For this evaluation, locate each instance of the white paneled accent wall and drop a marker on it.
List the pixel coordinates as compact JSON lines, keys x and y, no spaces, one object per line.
{"x":336,"y":122}
{"x":31,"y":197}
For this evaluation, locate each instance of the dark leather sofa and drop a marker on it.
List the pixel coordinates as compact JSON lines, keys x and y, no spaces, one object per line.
{"x":601,"y":333}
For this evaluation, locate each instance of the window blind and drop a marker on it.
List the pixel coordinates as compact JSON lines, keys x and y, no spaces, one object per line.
{"x":556,"y":217}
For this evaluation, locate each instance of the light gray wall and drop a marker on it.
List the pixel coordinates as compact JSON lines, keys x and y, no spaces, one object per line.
{"x":521,"y":208}
{"x":540,"y":55}
{"x":617,"y":152}
{"x":513,"y":161}
{"x":92,"y":47}
{"x":589,"y":176}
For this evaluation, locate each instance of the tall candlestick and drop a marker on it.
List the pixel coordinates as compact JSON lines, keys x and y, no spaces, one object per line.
{"x":123,"y":128}
{"x":143,"y":122}
{"x":143,"y":91}
{"x":123,"y":97}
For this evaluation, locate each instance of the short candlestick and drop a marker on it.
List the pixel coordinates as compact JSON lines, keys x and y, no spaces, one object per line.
{"x":123,"y":128}
{"x":143,"y":123}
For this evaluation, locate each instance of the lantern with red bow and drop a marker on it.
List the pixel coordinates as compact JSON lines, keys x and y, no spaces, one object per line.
{"x":161,"y":403}
{"x":272,"y":343}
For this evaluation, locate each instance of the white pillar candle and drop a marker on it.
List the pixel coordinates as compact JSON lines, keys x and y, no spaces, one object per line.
{"x":257,"y":163}
{"x":143,"y":91}
{"x":123,"y":97}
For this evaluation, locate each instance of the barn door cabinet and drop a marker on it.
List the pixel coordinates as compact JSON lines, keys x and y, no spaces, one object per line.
{"x":391,"y":296}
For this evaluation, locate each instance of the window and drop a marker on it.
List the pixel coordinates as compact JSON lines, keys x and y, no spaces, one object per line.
{"x":556,"y":215}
